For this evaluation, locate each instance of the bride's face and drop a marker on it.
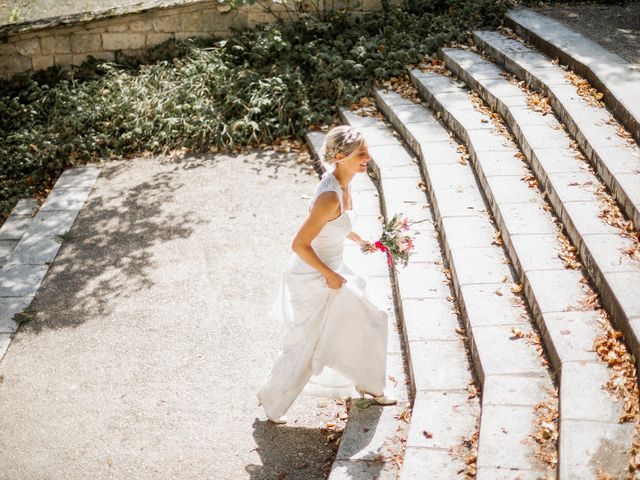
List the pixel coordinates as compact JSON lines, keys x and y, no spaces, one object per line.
{"x":357,"y":161}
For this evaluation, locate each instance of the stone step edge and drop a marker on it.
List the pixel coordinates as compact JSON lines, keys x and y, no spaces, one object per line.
{"x":419,"y":456}
{"x":343,"y":466}
{"x":491,"y":384}
{"x":592,"y":151}
{"x":609,"y":296}
{"x":629,"y":115}
{"x":23,"y":212}
{"x":15,"y":272}
{"x":388,"y":112}
{"x":539,"y":318}
{"x":394,"y":272}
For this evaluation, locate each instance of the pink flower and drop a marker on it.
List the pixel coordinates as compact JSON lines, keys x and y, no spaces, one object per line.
{"x":410,"y":243}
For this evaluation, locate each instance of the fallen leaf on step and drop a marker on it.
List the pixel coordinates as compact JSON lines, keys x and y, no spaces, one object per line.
{"x":497,"y":238}
{"x":473,"y":392}
{"x":427,"y":434}
{"x":517,"y":332}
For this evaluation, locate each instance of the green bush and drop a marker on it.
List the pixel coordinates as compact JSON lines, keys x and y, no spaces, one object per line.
{"x":253,"y":87}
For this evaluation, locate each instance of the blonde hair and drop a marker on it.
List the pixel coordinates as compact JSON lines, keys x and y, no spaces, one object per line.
{"x":341,"y":139}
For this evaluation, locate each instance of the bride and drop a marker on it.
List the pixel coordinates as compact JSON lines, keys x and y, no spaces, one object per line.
{"x":336,"y":338}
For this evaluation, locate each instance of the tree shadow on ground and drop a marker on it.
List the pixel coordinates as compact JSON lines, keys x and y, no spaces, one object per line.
{"x":107,"y":252}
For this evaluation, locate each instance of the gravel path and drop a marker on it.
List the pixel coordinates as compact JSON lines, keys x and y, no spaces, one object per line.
{"x":150,"y":335}
{"x":615,"y":27}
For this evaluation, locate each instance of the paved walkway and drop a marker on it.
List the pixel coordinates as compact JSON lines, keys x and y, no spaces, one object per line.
{"x":150,"y":334}
{"x":615,"y":27}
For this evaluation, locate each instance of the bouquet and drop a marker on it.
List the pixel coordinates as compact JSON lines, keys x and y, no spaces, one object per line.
{"x":395,"y":242}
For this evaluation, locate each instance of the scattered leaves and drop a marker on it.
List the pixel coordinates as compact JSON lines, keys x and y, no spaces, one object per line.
{"x":538,"y":103}
{"x":569,"y":253}
{"x":592,"y":96}
{"x":546,"y":430}
{"x":517,"y":332}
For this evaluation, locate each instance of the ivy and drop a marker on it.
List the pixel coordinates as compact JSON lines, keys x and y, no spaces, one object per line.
{"x":251,"y":88}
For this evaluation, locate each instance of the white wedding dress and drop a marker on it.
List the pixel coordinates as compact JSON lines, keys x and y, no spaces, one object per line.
{"x":335,"y":338}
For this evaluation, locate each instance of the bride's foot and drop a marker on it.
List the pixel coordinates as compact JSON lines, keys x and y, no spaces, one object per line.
{"x":278,"y":421}
{"x":379,"y":399}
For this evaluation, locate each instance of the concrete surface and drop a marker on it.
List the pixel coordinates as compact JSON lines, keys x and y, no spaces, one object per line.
{"x":615,"y":27}
{"x":149,"y":336}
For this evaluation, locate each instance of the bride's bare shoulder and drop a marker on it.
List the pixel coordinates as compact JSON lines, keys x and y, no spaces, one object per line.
{"x":325,"y":202}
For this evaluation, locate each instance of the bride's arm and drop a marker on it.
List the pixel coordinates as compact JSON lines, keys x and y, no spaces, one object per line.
{"x":360,"y":241}
{"x":355,"y":237}
{"x":324,"y":208}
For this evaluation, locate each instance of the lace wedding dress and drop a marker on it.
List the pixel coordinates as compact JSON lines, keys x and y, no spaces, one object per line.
{"x":334,"y":338}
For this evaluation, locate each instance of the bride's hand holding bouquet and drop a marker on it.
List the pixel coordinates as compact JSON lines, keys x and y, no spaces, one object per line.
{"x":395,"y":241}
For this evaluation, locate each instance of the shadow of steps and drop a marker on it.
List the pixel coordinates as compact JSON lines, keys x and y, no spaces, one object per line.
{"x":529,"y":235}
{"x":605,"y":70}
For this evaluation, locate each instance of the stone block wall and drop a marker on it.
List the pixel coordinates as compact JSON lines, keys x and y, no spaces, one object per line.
{"x":70,"y":40}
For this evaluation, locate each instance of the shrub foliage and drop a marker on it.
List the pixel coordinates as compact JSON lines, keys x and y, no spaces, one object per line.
{"x":248,"y":89}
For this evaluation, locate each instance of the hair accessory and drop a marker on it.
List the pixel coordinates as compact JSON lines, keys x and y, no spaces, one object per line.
{"x":350,"y":136}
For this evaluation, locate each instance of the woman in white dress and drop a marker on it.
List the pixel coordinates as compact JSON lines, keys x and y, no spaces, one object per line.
{"x":336,"y":338}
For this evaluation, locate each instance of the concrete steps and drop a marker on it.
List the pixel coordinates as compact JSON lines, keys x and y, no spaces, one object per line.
{"x":605,"y":70}
{"x":34,"y":242}
{"x":373,"y":432}
{"x":15,"y":226}
{"x":511,"y":388}
{"x":616,"y":159}
{"x":529,"y":234}
{"x":573,"y":194}
{"x":443,"y":413}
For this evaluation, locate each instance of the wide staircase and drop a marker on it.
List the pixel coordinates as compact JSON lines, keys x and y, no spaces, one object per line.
{"x":519,"y":312}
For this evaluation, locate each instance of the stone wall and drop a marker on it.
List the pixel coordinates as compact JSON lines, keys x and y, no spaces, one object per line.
{"x":70,"y":40}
